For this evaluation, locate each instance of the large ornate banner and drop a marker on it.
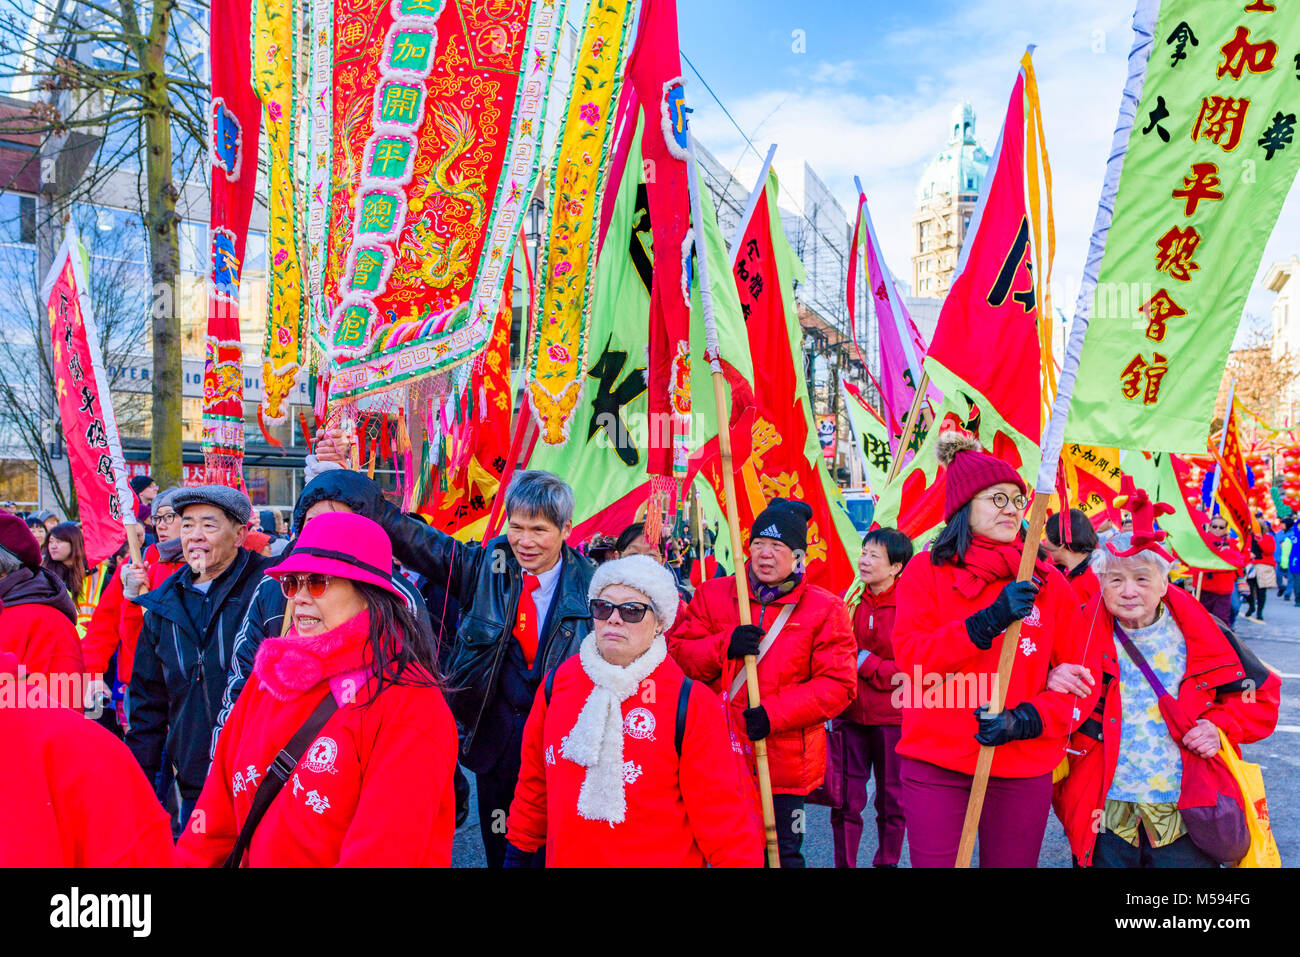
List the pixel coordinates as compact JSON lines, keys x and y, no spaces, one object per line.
{"x":436,"y":121}
{"x":234,"y":123}
{"x":1210,"y":158}
{"x":99,"y":472}
{"x":557,"y":356}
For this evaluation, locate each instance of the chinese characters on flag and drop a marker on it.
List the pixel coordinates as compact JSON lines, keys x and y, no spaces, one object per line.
{"x":99,"y":473}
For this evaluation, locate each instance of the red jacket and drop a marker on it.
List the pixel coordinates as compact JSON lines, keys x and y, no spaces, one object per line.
{"x":1212,"y":663}
{"x":117,"y":622}
{"x":947,"y":677}
{"x":681,"y":812}
{"x":873,"y":627}
{"x":1083,"y":580}
{"x":79,"y":799}
{"x":45,"y":641}
{"x":373,"y":790}
{"x":807,"y":677}
{"x":1220,"y":583}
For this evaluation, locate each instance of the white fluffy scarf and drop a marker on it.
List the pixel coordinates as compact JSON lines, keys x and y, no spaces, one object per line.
{"x":596,"y":741}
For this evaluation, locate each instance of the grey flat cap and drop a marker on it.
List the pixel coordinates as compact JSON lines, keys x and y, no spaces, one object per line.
{"x":231,"y":501}
{"x":165,"y":497}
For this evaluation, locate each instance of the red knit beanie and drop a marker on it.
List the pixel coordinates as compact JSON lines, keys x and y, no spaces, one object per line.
{"x":970,"y":470}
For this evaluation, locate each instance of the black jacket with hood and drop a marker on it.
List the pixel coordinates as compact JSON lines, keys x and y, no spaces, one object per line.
{"x":180,"y":668}
{"x":489,"y":700}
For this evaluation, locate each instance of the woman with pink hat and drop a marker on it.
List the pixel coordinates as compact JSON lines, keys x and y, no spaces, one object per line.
{"x":341,"y":749}
{"x":954,"y":606}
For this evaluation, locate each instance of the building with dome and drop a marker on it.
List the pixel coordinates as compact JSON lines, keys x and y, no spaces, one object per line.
{"x":945,"y":199}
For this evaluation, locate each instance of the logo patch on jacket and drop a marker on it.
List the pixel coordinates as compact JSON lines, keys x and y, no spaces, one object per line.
{"x":1033,"y":618}
{"x":320,"y":756}
{"x":640,"y":724}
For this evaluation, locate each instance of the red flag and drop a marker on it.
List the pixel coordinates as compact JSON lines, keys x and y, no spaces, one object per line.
{"x":1232,"y":493}
{"x":770,"y":434}
{"x":86,"y":407}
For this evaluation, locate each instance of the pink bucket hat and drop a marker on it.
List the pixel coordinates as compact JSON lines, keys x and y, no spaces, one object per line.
{"x":343,"y":545}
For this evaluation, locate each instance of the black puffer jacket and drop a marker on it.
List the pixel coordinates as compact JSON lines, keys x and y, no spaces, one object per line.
{"x":485,"y":580}
{"x":180,"y":669}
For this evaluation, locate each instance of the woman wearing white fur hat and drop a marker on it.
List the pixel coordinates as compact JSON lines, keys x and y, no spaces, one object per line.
{"x":626,"y":762}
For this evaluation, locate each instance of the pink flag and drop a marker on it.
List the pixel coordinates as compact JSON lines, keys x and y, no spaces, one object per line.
{"x":902,"y":349}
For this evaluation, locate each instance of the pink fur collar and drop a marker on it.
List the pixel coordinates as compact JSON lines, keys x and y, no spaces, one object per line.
{"x":290,"y":665}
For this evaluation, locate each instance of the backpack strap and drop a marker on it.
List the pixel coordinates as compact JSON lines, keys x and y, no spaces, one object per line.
{"x":683,"y":705}
{"x":278,"y":773}
{"x":549,"y":684}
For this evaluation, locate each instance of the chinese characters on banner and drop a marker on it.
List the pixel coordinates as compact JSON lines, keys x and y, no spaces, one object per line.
{"x":871,"y":436}
{"x":99,"y":473}
{"x":1210,"y":159}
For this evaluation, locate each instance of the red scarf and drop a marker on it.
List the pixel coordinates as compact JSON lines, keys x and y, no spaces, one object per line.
{"x":290,"y":665}
{"x":987,"y":561}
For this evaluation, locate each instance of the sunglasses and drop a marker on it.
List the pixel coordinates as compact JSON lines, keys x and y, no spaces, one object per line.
{"x":630,"y":611}
{"x":316,"y":584}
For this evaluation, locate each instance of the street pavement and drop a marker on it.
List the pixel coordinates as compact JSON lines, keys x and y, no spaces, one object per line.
{"x":1276,"y":642}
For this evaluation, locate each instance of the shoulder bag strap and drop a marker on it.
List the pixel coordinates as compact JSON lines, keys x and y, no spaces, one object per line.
{"x":278,"y":773}
{"x":683,"y":705}
{"x":769,"y":639}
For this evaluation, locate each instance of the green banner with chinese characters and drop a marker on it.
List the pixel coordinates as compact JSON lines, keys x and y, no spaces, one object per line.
{"x":1210,"y":159}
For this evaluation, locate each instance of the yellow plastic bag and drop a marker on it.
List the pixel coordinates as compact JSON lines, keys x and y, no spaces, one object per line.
{"x":1263,"y":846}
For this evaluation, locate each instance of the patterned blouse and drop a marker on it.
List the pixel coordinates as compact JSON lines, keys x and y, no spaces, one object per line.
{"x":1149,"y":772}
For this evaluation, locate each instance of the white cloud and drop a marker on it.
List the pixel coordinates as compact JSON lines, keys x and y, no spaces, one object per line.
{"x":835,"y":73}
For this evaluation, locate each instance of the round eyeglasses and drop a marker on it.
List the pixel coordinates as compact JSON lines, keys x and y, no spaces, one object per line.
{"x":1000,"y":500}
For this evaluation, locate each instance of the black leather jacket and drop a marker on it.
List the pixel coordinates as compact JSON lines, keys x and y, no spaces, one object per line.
{"x":486,"y":582}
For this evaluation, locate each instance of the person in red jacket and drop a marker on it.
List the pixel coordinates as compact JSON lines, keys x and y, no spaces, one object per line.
{"x":954,"y":605}
{"x":626,"y":762}
{"x":37,"y":616}
{"x":79,"y":798}
{"x":115,"y":626}
{"x":1072,"y":557}
{"x":806,"y":661}
{"x":872,"y":723}
{"x":1214,"y":588}
{"x":1141,"y":762}
{"x":374,"y":788}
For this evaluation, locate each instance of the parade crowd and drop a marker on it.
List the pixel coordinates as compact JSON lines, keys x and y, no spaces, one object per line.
{"x":261,"y":692}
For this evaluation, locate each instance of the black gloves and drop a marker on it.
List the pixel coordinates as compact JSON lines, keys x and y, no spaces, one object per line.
{"x":745,"y":640}
{"x":1015,"y":602}
{"x":757,"y":724}
{"x":1014,"y":724}
{"x":516,"y":857}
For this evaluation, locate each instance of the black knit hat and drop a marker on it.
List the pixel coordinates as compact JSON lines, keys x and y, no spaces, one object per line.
{"x":786,"y":520}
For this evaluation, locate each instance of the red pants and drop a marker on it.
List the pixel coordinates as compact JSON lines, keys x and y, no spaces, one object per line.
{"x":1012,"y":823}
{"x":869,"y":749}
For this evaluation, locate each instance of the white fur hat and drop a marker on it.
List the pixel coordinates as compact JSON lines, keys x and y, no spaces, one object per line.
{"x":645,"y":575}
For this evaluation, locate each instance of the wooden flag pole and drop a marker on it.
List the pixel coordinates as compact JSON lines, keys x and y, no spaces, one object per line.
{"x":917,"y":401}
{"x":984,"y":764}
{"x":728,"y":477}
{"x":742,"y":596}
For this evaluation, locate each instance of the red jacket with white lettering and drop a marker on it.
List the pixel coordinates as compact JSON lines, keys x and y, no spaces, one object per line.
{"x":807,"y":677}
{"x":873,"y":627}
{"x":681,"y":812}
{"x":955,"y":677}
{"x":374,"y":789}
{"x":1220,"y":683}
{"x":79,"y":798}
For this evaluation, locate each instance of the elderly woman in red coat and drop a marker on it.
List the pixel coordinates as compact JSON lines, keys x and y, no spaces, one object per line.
{"x":1142,"y":769}
{"x":954,"y":606}
{"x":626,"y":761}
{"x":807,"y":667}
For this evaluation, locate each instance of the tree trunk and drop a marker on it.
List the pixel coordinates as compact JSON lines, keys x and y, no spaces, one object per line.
{"x":161,"y":219}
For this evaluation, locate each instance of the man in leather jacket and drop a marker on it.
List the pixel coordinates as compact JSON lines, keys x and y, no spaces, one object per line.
{"x":523,"y":601}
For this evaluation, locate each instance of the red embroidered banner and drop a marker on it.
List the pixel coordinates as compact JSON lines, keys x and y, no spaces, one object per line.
{"x":99,"y":473}
{"x":234,"y":120}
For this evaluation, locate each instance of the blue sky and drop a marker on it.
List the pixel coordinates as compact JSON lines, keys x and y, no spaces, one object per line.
{"x":866,"y":88}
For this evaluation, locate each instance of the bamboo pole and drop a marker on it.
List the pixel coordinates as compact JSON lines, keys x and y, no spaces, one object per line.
{"x":975,"y":804}
{"x":742,"y":596}
{"x":917,"y":401}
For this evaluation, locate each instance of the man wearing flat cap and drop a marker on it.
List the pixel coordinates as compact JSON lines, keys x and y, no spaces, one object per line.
{"x":185,"y":645}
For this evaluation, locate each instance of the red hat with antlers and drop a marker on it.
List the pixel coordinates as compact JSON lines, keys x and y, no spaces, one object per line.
{"x":1145,"y":512}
